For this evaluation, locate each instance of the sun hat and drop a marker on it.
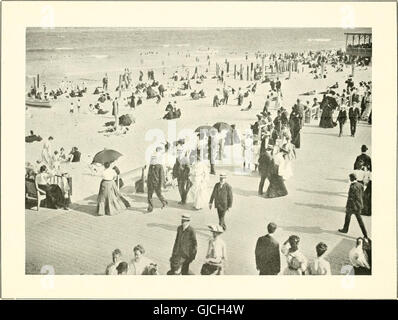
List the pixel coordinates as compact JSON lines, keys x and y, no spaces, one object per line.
{"x":215,"y":228}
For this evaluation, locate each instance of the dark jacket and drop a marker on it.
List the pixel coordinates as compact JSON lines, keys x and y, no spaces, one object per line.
{"x":355,"y":198}
{"x":267,"y":254}
{"x":264,"y":164}
{"x":180,"y":171}
{"x":366,"y":160}
{"x":342,"y":117}
{"x":222,"y":196}
{"x":354,"y":114}
{"x":185,"y":244}
{"x":156,"y":176}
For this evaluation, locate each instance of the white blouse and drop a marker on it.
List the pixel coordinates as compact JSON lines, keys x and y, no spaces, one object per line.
{"x":109,"y":174}
{"x":217,"y":250}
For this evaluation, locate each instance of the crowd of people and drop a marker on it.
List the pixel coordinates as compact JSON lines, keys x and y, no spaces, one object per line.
{"x":267,"y":255}
{"x":268,"y":147}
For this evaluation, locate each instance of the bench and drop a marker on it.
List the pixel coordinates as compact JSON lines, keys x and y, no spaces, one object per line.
{"x":32,"y":192}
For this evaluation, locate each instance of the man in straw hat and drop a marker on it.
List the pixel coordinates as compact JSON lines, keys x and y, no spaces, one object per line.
{"x":185,"y":245}
{"x":222,"y":198}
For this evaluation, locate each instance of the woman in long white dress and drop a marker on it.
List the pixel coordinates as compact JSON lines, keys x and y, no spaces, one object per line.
{"x":199,"y":176}
{"x":368,"y":104}
{"x":46,"y":153}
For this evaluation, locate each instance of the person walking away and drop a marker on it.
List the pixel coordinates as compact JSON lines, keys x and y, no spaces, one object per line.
{"x":185,"y":245}
{"x":222,"y":198}
{"x":354,"y":115}
{"x":216,"y":255}
{"x":296,"y":261}
{"x":354,"y":205}
{"x":268,"y":260}
{"x":319,"y":266}
{"x":342,"y":119}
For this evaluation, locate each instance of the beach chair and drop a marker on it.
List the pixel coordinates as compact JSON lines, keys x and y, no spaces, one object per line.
{"x":32,"y":192}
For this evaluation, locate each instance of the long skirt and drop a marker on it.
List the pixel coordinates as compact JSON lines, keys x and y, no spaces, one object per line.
{"x":296,"y":139}
{"x":199,"y":194}
{"x":276,"y":187}
{"x":327,"y":119}
{"x":54,"y":196}
{"x":110,"y":201}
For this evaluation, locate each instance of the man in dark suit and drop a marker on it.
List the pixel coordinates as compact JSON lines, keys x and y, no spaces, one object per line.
{"x":181,"y":173}
{"x":155,"y":181}
{"x":264,"y":166}
{"x":268,"y":260}
{"x":354,"y":205}
{"x":367,"y":161}
{"x":222,"y":198}
{"x":341,"y":119}
{"x":185,"y":245}
{"x":353,"y":114}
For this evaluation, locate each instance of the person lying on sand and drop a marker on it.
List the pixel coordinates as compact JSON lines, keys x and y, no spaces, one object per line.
{"x":248,"y":107}
{"x":32,"y":137}
{"x":308,"y":93}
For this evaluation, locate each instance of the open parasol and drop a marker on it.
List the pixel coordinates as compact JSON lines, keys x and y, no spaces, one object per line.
{"x":220,"y":126}
{"x":203,"y":128}
{"x":106,"y":155}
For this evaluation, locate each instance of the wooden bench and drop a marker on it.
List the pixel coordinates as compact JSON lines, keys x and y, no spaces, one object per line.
{"x":32,"y":192}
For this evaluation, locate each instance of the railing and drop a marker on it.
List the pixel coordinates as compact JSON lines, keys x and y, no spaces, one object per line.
{"x":362,"y":52}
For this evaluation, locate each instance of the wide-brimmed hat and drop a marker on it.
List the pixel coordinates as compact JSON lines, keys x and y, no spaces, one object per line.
{"x":223,"y":175}
{"x":215,"y":228}
{"x":186,"y":217}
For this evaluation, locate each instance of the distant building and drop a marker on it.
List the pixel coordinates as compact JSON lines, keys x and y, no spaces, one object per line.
{"x":358,"y":45}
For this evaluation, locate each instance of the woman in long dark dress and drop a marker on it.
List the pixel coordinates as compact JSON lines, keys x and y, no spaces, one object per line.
{"x":54,"y":196}
{"x":110,"y":201}
{"x":295,"y":127}
{"x":277,"y":187}
{"x":327,"y":114}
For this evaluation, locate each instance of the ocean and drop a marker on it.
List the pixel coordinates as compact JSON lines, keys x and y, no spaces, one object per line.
{"x":83,"y":53}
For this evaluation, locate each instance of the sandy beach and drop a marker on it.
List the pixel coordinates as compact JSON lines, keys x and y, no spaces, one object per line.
{"x":67,"y":129}
{"x":317,"y":189}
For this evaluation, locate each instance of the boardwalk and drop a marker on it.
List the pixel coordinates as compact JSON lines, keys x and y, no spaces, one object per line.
{"x":78,"y":242}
